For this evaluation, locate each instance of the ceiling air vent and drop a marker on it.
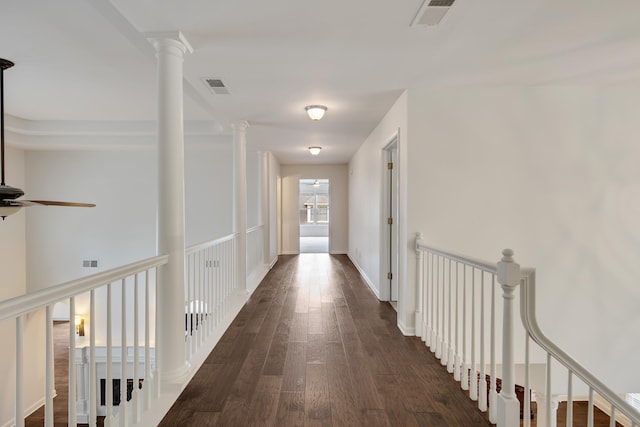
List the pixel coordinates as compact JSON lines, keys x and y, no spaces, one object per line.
{"x":215,"y":85}
{"x":431,"y":12}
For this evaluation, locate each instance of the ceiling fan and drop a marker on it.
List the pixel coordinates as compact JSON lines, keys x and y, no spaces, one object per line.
{"x":9,"y":203}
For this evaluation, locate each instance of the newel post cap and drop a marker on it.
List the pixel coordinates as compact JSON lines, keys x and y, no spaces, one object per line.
{"x":508,"y":269}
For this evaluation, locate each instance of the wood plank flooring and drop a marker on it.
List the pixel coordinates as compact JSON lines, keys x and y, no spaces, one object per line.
{"x":314,"y":347}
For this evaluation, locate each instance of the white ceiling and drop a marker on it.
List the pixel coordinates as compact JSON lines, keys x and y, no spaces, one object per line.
{"x":88,"y":60}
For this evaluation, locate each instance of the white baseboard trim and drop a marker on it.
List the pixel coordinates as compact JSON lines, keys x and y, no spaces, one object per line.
{"x":273,"y":262}
{"x":255,"y":278}
{"x":290,"y":253}
{"x":407,"y":331}
{"x":30,"y":410}
{"x":366,"y":279}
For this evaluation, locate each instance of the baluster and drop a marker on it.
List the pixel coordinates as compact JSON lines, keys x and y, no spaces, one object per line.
{"x":93,"y":399}
{"x":427,"y":299}
{"x":612,"y":417}
{"x":443,"y":325}
{"x":437,"y":338}
{"x":71,"y":412}
{"x":201,"y":274}
{"x":456,"y":365}
{"x":135,"y":399}
{"x":49,"y":379}
{"x":156,"y":354}
{"x":434,"y":301}
{"x":208,"y":290}
{"x":188,"y":308}
{"x":123,"y":355}
{"x":493,"y":394}
{"x":196,"y":298}
{"x":450,"y":360}
{"x":527,"y":382}
{"x":431,"y":308}
{"x":509,"y":278}
{"x":473,"y":374}
{"x":465,"y":366}
{"x":570,"y":399}
{"x":482,"y":383}
{"x":547,"y":399}
{"x":590,"y":409}
{"x":109,"y":386}
{"x":419,"y":285}
{"x":147,"y":344}
{"x":217,"y":278}
{"x":19,"y":402}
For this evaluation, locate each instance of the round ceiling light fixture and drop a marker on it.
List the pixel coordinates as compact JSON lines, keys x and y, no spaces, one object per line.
{"x":315,"y":150}
{"x":315,"y":112}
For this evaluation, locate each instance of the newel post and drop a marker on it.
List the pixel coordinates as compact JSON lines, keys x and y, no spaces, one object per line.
{"x":420,"y":286}
{"x":508,"y":406}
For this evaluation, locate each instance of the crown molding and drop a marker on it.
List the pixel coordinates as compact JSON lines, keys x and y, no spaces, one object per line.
{"x":96,"y":134}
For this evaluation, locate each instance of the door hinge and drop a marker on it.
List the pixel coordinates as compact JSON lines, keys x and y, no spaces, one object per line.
{"x":389,"y":220}
{"x":390,"y":276}
{"x":390,"y":165}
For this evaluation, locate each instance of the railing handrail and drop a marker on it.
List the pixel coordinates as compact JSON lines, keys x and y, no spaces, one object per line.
{"x":528,"y":315}
{"x":480,"y":264}
{"x":530,"y":324}
{"x":209,"y":243}
{"x":255,"y":228}
{"x":29,"y":302}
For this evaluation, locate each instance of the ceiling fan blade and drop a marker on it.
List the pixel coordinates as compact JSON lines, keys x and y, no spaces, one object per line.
{"x":55,"y":203}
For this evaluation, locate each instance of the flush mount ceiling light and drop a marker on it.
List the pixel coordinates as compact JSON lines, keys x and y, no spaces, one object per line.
{"x":315,"y":112}
{"x":315,"y":150}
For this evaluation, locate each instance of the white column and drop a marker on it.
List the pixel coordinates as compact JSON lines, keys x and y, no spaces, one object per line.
{"x":508,"y":405}
{"x":240,"y":200}
{"x":170,"y":348}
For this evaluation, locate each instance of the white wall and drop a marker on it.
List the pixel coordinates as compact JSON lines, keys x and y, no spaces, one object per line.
{"x":367,"y":171}
{"x":338,"y":177}
{"x":12,"y":284}
{"x":551,"y":172}
{"x":208,"y":192}
{"x":119,"y":230}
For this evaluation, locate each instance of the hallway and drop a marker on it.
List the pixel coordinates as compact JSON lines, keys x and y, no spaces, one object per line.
{"x":314,"y":346}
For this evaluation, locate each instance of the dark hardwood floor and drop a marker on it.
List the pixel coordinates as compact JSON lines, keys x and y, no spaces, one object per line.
{"x":314,"y":346}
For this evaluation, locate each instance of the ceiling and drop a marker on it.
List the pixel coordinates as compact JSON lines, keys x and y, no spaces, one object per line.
{"x":89,"y":60}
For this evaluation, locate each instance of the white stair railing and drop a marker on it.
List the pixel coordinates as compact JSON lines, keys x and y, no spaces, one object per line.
{"x":457,"y":308}
{"x":21,"y":307}
{"x":211,"y":284}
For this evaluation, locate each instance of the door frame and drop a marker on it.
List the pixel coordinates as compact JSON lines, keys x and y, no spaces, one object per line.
{"x":390,"y":202}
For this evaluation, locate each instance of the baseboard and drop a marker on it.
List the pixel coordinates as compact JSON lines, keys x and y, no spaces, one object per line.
{"x":290,"y":253}
{"x":254,"y":280}
{"x":364,"y":277}
{"x":30,"y":410}
{"x":273,"y":262}
{"x":407,"y":331}
{"x":339,"y":252}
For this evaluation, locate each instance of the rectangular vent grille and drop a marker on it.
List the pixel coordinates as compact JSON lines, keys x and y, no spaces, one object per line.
{"x":432,"y":12}
{"x":446,"y":3}
{"x":216,"y":85}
